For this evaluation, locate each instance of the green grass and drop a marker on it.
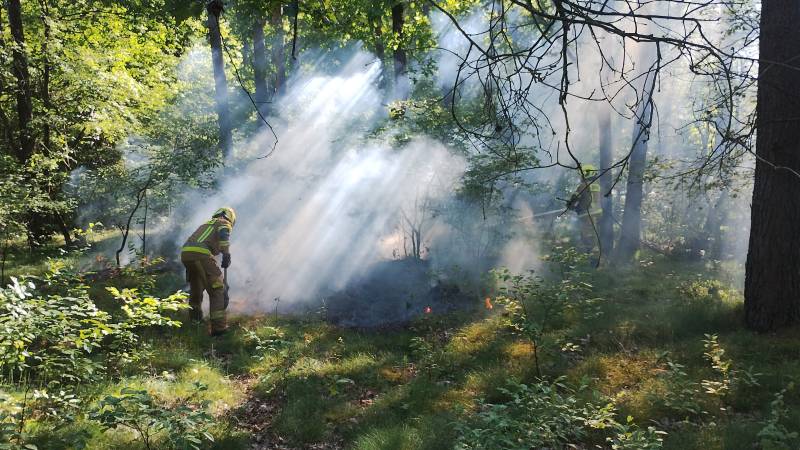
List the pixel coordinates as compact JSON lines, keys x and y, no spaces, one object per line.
{"x":372,"y":390}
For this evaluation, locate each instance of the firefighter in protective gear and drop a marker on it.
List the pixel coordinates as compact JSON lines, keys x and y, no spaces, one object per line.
{"x":586,"y":203}
{"x":202,"y":271}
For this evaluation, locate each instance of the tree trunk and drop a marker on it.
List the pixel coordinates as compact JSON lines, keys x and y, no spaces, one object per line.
{"x":278,"y":47}
{"x":246,"y":53}
{"x":400,"y":57}
{"x":772,"y":281}
{"x":45,"y":86}
{"x":3,"y":262}
{"x":380,"y":50}
{"x":144,"y":231}
{"x":606,"y":222}
{"x":5,"y":122}
{"x":20,"y":71}
{"x":214,"y":9}
{"x":631,"y":229}
{"x":260,"y":68}
{"x":63,"y":227}
{"x":44,"y":92}
{"x":712,"y":229}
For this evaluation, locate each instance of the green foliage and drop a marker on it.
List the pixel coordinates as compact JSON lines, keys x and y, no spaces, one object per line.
{"x":705,"y":290}
{"x":424,"y":114}
{"x":629,"y":436}
{"x":427,"y":354}
{"x":148,"y":311}
{"x":693,"y":399}
{"x":728,"y":377}
{"x":57,"y":335}
{"x":12,"y":430}
{"x":325,"y":24}
{"x":184,"y":426}
{"x":775,"y":435}
{"x":269,"y":342}
{"x":682,"y":393}
{"x":536,"y":304}
{"x":548,"y":415}
{"x":49,"y":337}
{"x":99,"y":72}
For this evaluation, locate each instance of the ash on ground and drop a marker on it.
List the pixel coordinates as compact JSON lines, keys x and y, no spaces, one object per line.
{"x":393,"y":293}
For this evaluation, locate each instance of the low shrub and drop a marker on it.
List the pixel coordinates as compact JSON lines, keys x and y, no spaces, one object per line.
{"x":548,"y":415}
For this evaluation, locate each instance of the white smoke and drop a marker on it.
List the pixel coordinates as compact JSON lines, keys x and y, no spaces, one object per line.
{"x":330,"y":202}
{"x":336,"y":197}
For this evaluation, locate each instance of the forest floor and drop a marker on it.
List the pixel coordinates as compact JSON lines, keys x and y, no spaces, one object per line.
{"x":299,"y":383}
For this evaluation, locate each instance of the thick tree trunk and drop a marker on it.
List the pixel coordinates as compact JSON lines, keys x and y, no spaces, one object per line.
{"x":20,"y":71}
{"x":606,"y":222}
{"x":631,"y":230}
{"x":772,"y":282}
{"x":260,"y":68}
{"x":400,"y":57}
{"x":278,"y":47}
{"x":214,"y":9}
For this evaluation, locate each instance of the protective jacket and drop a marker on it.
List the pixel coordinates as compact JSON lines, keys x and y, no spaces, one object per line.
{"x":586,"y":198}
{"x":211,"y":238}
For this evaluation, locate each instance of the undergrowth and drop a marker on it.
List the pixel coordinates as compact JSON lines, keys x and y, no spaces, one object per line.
{"x":649,"y":358}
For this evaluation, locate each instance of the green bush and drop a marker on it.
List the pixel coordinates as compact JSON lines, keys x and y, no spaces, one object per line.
{"x":535,"y":305}
{"x":49,"y":337}
{"x":183,"y":426}
{"x":729,"y":377}
{"x":54,"y":339}
{"x":682,"y":395}
{"x":548,"y":415}
{"x":66,"y":339}
{"x":12,"y":430}
{"x":704,"y":291}
{"x":774,"y":435}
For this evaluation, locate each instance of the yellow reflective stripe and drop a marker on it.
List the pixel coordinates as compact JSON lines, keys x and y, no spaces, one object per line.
{"x":217,"y":285}
{"x":205,"y":234}
{"x":193,"y":249}
{"x":216,"y":315}
{"x":224,"y":243}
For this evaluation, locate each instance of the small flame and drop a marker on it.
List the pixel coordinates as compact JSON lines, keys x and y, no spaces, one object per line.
{"x":488,"y":303}
{"x":428,"y":310}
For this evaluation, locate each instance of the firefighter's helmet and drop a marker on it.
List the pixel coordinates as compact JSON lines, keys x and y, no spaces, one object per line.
{"x":228,"y":213}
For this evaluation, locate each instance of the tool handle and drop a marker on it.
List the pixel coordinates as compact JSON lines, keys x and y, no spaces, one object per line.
{"x":226,"y":296}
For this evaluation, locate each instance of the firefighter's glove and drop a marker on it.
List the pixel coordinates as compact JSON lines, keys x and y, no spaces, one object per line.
{"x":226,"y":260}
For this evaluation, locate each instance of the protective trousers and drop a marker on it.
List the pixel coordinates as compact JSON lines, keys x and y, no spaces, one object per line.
{"x":587,"y":222}
{"x":203,"y":274}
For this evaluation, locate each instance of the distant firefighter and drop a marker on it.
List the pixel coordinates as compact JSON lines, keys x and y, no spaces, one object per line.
{"x":586,"y":203}
{"x":202,"y":271}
